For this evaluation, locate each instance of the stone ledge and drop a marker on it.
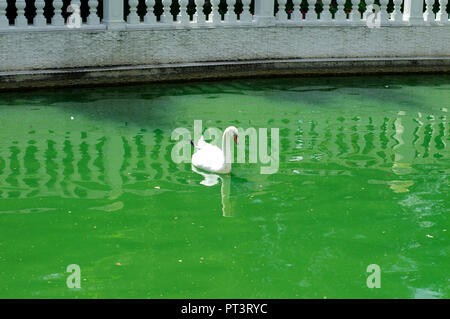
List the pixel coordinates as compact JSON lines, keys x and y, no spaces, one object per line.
{"x":116,"y":75}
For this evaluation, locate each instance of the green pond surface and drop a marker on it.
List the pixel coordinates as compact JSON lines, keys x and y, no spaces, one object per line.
{"x":87,"y":178}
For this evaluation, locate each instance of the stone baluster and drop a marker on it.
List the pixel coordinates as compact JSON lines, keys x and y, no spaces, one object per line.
{"x":383,"y":12}
{"x":214,"y":16}
{"x":340,"y":15}
{"x":183,"y":16}
{"x":93,"y":18}
{"x":354,"y":15}
{"x":4,"y":22}
{"x":442,"y":15}
{"x":150,"y":17}
{"x":246,"y":15}
{"x":396,"y":15}
{"x":76,"y":3}
{"x":230,"y":16}
{"x":296,"y":15}
{"x":166,"y":16}
{"x":281,"y":14}
{"x":325,"y":15}
{"x":428,"y":15}
{"x":199,"y":16}
{"x":76,"y":10}
{"x":369,"y":9}
{"x":39,"y":19}
{"x":133,"y":17}
{"x":21,"y":20}
{"x":57,"y":19}
{"x":311,"y":15}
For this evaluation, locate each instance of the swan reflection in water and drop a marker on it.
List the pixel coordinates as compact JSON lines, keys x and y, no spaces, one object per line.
{"x":211,"y":180}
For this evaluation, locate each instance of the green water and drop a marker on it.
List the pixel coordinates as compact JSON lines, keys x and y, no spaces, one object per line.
{"x":86,"y":178}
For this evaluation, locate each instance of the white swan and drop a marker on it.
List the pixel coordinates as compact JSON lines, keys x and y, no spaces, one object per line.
{"x":210,"y":158}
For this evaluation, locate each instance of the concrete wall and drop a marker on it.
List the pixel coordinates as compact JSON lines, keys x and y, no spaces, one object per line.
{"x":23,"y":50}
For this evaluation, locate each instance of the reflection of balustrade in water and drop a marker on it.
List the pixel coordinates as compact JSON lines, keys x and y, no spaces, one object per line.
{"x":377,"y":142}
{"x":90,"y":165}
{"x":83,"y":165}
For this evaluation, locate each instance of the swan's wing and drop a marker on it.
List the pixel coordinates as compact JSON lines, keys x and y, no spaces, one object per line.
{"x":209,"y":158}
{"x":200,"y":143}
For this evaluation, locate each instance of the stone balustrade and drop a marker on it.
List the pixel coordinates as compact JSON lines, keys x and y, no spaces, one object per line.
{"x":20,"y":15}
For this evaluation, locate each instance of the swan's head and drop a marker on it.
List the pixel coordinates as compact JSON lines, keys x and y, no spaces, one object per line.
{"x":232,"y":130}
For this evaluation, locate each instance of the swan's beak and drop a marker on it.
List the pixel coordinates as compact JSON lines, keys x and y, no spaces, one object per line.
{"x":236,"y":139}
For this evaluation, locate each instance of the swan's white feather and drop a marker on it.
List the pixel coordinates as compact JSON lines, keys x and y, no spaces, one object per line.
{"x":211,"y":158}
{"x":208,"y":157}
{"x":201,"y":142}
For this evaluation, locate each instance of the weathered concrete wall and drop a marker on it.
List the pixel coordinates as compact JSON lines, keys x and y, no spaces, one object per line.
{"x":81,"y":48}
{"x":118,"y":75}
